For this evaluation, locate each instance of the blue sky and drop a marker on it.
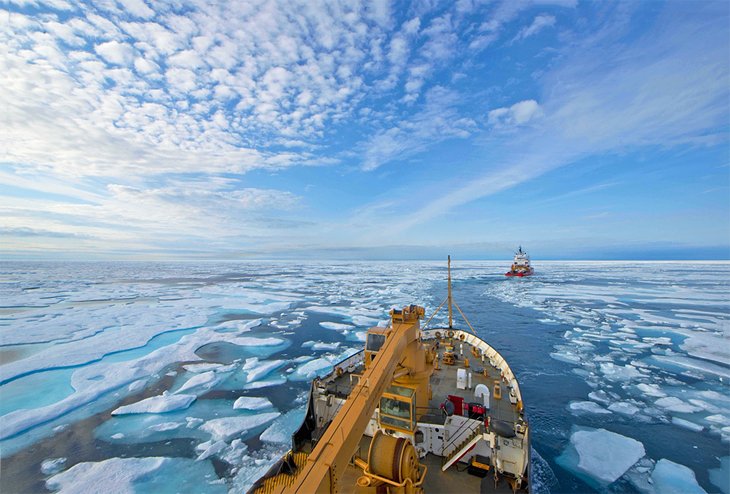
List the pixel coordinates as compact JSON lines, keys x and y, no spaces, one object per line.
{"x":371,"y":129}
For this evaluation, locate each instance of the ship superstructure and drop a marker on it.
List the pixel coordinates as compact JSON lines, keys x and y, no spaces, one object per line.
{"x":520,"y":265}
{"x":400,"y":415}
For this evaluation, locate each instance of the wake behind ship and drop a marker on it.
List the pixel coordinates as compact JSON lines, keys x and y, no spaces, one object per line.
{"x":417,"y":410}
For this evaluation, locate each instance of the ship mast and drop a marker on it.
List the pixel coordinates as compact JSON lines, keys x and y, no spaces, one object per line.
{"x":451,"y":319}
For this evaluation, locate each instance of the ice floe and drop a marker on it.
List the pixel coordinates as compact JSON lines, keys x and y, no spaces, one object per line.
{"x":280,"y":431}
{"x":200,"y":382}
{"x":204,"y":367}
{"x":599,"y":455}
{"x":336,"y":326}
{"x":720,"y":477}
{"x":318,"y":367}
{"x":265,"y":383}
{"x":115,"y":474}
{"x":674,"y":404}
{"x":257,"y":369}
{"x":228,"y":427}
{"x":624,"y":408}
{"x":672,"y":478}
{"x":95,"y":381}
{"x":210,"y":448}
{"x":252,"y":403}
{"x":587,"y":407}
{"x":53,"y":465}
{"x":130,"y":475}
{"x":158,"y":404}
{"x":686,"y":424}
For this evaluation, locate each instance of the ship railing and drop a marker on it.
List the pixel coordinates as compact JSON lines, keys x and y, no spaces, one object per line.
{"x":465,"y":442}
{"x":466,"y":429}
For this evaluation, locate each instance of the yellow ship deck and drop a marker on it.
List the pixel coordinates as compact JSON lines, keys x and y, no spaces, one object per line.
{"x":443,"y":383}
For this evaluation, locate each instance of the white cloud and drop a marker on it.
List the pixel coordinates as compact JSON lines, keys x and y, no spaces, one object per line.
{"x":187,"y":58}
{"x":538,"y":24}
{"x":138,"y":8}
{"x":518,"y":114}
{"x":667,"y":89}
{"x":115,"y":52}
{"x":439,"y":120}
{"x":124,"y":96}
{"x":145,"y":66}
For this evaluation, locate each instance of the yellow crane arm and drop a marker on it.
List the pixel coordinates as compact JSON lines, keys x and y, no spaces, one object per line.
{"x":326,"y":464}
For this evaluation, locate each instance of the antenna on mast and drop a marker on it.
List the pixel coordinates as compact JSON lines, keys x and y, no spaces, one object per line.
{"x":451,"y":319}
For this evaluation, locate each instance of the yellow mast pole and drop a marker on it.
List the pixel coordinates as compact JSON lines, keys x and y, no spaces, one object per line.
{"x":451,"y":318}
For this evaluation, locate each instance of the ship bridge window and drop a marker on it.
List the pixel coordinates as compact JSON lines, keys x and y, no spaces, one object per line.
{"x":375,"y":342}
{"x":397,"y":408}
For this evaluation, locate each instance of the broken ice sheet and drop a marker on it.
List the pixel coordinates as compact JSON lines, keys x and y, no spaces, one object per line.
{"x":599,"y":456}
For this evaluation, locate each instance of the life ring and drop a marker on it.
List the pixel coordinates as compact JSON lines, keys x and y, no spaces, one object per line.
{"x":450,"y":334}
{"x":462,"y":336}
{"x":339,"y":371}
{"x":438,"y":335}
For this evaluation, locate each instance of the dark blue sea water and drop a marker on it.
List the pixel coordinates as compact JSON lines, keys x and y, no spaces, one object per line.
{"x":633,"y":355}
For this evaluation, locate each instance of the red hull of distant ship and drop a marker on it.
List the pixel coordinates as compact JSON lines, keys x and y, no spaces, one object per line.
{"x":520,"y":274}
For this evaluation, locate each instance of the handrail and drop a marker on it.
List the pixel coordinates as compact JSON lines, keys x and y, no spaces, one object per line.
{"x":461,"y":449}
{"x":458,"y":435}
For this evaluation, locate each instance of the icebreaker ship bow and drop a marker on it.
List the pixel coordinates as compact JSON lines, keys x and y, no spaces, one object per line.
{"x":398,"y":416}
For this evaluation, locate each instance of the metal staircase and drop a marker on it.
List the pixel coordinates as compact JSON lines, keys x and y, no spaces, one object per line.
{"x":468,"y":442}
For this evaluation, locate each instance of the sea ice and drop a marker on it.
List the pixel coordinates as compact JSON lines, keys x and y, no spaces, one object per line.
{"x":252,"y":403}
{"x":624,"y":408}
{"x":250,"y":341}
{"x":157,"y":404}
{"x":587,"y":407}
{"x":208,"y":366}
{"x":314,"y":368}
{"x":206,"y":380}
{"x":193,"y":422}
{"x":686,"y":424}
{"x":651,"y":390}
{"x":674,"y":404}
{"x":619,"y":372}
{"x":137,"y":385}
{"x":336,"y":326}
{"x":720,"y":477}
{"x":280,"y":431}
{"x":265,"y":383}
{"x":600,"y":396}
{"x":566,"y":356}
{"x":326,"y":346}
{"x":718,"y":419}
{"x":130,"y":475}
{"x":227,"y":427}
{"x":210,"y":448}
{"x":257,"y":369}
{"x":51,"y":466}
{"x":234,"y":453}
{"x":95,"y":381}
{"x":673,"y":478}
{"x":115,"y":475}
{"x":601,"y":455}
{"x":696,"y":365}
